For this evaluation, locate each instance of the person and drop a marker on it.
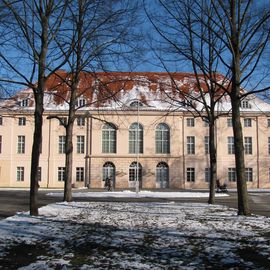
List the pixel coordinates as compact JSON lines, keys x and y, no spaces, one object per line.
{"x":109,"y":184}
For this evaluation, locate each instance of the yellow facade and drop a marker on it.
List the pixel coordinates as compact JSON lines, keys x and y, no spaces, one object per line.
{"x":178,"y":160}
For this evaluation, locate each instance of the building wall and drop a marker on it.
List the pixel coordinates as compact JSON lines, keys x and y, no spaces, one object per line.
{"x":178,"y":160}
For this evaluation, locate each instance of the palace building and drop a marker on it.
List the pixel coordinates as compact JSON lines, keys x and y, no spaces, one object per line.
{"x":131,"y":126}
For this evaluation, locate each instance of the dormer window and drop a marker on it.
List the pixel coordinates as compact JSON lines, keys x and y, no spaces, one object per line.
{"x":136,"y":104}
{"x":80,"y":102}
{"x":24,"y":103}
{"x":245,"y":104}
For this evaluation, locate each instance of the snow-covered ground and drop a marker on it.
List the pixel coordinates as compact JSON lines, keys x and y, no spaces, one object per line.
{"x":110,"y":235}
{"x":141,"y":194}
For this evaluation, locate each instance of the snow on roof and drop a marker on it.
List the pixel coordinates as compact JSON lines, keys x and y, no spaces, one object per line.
{"x":117,"y":90}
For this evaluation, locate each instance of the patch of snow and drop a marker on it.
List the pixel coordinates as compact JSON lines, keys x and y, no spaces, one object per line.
{"x":110,"y":235}
{"x":141,"y":194}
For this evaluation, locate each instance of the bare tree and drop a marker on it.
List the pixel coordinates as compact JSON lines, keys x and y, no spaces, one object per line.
{"x":97,"y":34}
{"x":28,"y":45}
{"x":229,"y":37}
{"x":200,"y":47}
{"x":247,"y":31}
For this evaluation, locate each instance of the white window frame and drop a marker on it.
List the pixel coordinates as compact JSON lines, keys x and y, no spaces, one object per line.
{"x":61,"y":174}
{"x":248,"y":145}
{"x":80,"y":144}
{"x":230,"y":142}
{"x":61,"y":144}
{"x":162,"y":139}
{"x":20,"y":174}
{"x":206,"y":145}
{"x":21,"y":144}
{"x":249,"y":174}
{"x":232,"y":174}
{"x":79,"y":174}
{"x":190,"y":122}
{"x":191,"y":145}
{"x":80,"y":102}
{"x":229,"y":122}
{"x":22,"y":121}
{"x":136,"y":139}
{"x":80,"y":121}
{"x":245,"y":104}
{"x":24,"y":103}
{"x":108,"y":139}
{"x":190,"y":174}
{"x":247,"y":122}
{"x":133,"y":167}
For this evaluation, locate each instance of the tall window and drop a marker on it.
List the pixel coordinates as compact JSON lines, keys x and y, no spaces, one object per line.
{"x":80,"y":102}
{"x":190,"y":122}
{"x":80,"y":121}
{"x":80,"y":144}
{"x":133,"y":168}
{"x":1,"y":120}
{"x":162,"y":175}
{"x":20,"y":174}
{"x":109,"y":138}
{"x":61,"y":174}
{"x":245,"y":104}
{"x":268,"y":122}
{"x":248,"y":145}
{"x":229,"y":122}
{"x":247,"y":122}
{"x":269,"y":145}
{"x":206,"y":145}
{"x":108,"y":171}
{"x":21,"y":145}
{"x":190,"y":145}
{"x":79,"y":174}
{"x":230,"y":145}
{"x":0,"y":144}
{"x":162,"y":139}
{"x":22,"y":121}
{"x":135,"y":138}
{"x":61,"y":144}
{"x":249,"y":174}
{"x":190,"y":174}
{"x":24,"y":103}
{"x":232,"y":174}
{"x":207,"y":175}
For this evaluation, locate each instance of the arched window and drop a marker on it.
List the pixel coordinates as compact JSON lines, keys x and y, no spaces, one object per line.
{"x":162,"y":175}
{"x":162,"y":139}
{"x":109,"y":138}
{"x":136,"y":138}
{"x":108,"y":171}
{"x":135,"y":171}
{"x":135,"y":104}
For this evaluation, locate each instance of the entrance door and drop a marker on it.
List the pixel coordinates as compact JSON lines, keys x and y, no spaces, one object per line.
{"x":109,"y":171}
{"x":162,"y":175}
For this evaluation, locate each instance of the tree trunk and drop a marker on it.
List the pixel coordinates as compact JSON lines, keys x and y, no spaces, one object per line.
{"x":68,"y":162}
{"x":213,"y":162}
{"x":243,"y":206}
{"x":37,"y":141}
